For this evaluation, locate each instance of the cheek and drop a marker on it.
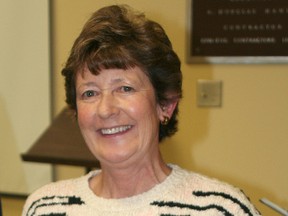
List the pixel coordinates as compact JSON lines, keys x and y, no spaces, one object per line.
{"x":83,"y":115}
{"x":147,"y":113}
{"x":142,"y":109}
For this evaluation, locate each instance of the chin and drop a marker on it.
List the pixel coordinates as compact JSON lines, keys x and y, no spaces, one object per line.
{"x":116,"y":159}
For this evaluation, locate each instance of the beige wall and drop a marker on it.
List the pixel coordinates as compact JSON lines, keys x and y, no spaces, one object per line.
{"x":245,"y":142}
{"x":24,"y":92}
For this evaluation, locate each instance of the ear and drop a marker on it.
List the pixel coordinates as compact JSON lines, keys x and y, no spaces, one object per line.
{"x":167,"y":109}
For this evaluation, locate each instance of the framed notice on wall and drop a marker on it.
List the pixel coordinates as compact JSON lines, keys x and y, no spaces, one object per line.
{"x":238,"y":31}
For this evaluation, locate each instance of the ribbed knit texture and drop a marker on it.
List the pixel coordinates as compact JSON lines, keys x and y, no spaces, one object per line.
{"x":182,"y":193}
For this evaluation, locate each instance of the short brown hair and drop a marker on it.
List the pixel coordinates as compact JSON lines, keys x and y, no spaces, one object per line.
{"x":118,"y":37}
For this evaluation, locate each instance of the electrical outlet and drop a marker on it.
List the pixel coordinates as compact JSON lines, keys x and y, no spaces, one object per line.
{"x":209,"y":93}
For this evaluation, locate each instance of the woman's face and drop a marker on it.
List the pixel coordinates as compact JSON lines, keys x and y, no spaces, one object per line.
{"x":118,"y":115}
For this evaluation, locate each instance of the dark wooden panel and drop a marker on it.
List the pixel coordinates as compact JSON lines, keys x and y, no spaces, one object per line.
{"x":62,"y":143}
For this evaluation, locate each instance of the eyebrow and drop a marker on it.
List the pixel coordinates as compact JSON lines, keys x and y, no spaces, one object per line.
{"x":117,"y":80}
{"x":87,"y":84}
{"x":91,"y":83}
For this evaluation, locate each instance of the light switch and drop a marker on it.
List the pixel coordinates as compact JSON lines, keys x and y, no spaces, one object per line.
{"x":209,"y":93}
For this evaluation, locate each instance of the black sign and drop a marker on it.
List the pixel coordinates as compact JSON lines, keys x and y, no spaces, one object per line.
{"x":238,"y":28}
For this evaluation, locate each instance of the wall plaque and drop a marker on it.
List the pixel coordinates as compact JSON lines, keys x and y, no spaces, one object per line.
{"x":238,"y":31}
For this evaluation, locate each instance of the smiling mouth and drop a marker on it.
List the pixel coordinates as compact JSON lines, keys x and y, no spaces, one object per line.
{"x":115,"y":130}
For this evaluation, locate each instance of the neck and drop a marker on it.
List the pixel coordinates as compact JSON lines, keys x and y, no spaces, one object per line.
{"x":130,"y":181}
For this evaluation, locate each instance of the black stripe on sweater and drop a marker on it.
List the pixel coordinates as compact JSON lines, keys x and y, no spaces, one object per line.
{"x":225,"y":196}
{"x":172,"y":204}
{"x":55,"y":214}
{"x":172,"y":215}
{"x":53,"y":201}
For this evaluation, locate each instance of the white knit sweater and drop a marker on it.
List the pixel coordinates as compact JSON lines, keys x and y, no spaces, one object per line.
{"x":182,"y":193}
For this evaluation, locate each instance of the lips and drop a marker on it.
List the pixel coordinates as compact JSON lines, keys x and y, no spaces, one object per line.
{"x":115,"y":130}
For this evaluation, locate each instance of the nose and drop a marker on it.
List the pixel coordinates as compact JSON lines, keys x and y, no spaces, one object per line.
{"x":107,"y":106}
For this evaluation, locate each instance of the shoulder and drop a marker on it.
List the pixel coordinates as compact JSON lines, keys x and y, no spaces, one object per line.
{"x":59,"y":187}
{"x":206,"y":183}
{"x":199,"y":182}
{"x":204,"y":186}
{"x":65,"y":191}
{"x":213,"y":193}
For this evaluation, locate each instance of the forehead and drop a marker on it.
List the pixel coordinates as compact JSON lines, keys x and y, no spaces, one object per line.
{"x":110,"y":76}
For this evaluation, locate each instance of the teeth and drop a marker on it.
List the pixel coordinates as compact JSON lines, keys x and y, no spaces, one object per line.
{"x":115,"y":130}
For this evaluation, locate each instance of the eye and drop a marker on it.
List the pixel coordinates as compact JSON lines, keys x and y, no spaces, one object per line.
{"x":126,"y":89}
{"x":88,"y":94}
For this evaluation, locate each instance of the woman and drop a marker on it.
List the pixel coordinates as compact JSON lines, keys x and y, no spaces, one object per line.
{"x":123,"y":80}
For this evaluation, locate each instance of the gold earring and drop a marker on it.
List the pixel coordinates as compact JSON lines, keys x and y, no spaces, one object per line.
{"x":165,"y":121}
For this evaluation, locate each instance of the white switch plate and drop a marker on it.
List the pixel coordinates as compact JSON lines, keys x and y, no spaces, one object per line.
{"x":209,"y":93}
